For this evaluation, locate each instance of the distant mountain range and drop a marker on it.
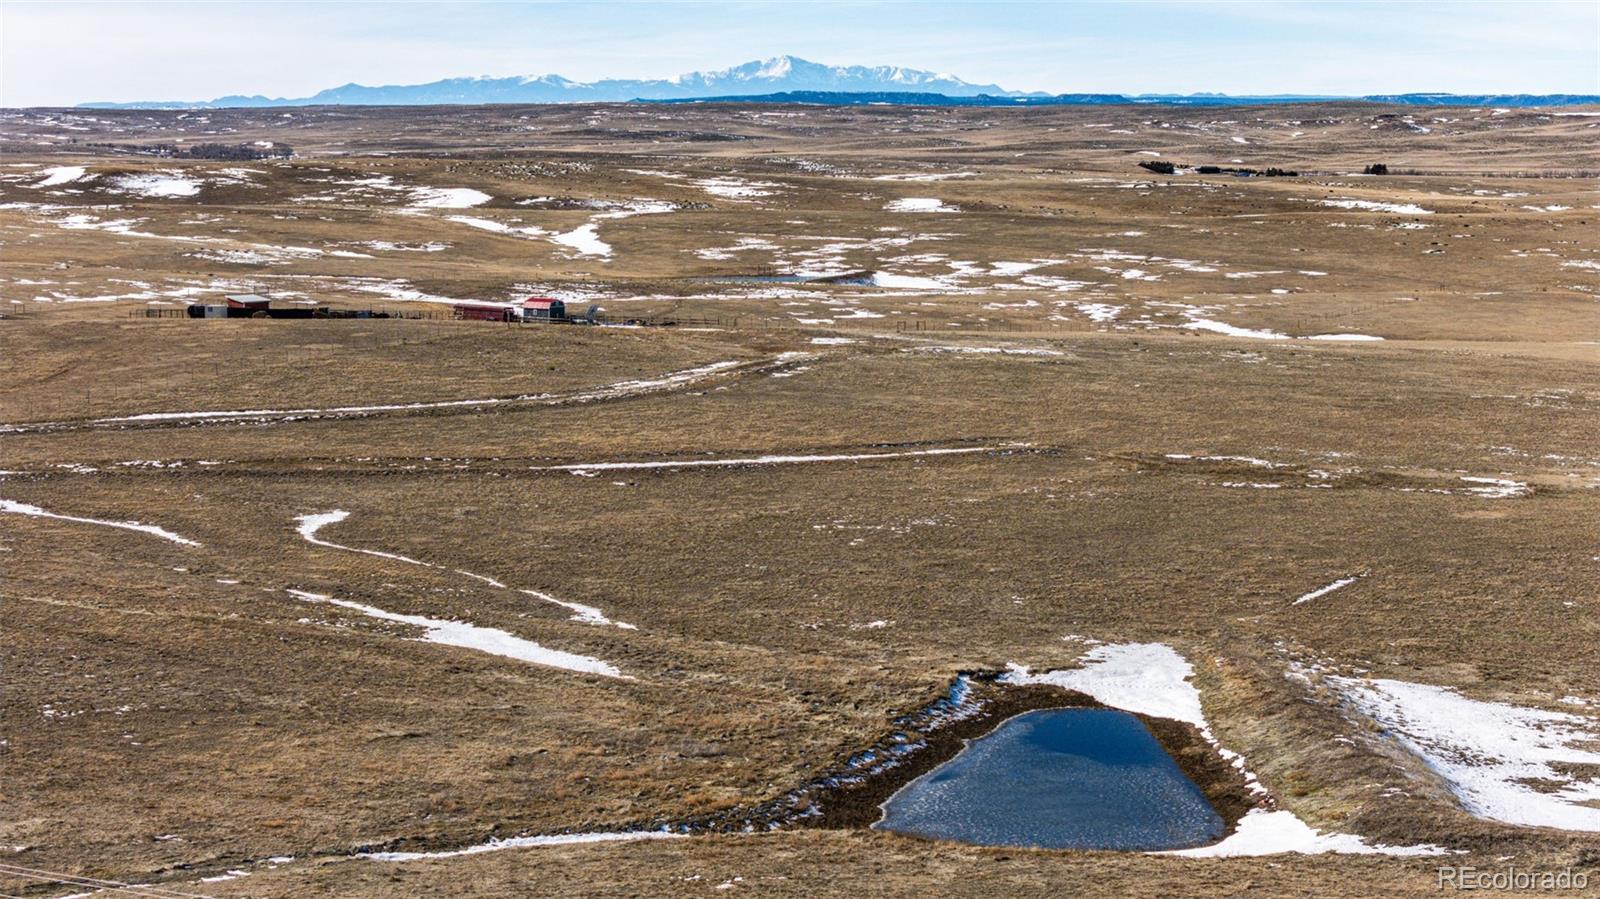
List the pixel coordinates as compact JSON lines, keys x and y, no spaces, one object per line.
{"x":911,"y":98}
{"x":782,"y":79}
{"x":781,"y":73}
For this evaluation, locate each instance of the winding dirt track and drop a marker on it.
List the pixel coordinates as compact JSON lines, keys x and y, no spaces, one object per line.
{"x":620,"y":390}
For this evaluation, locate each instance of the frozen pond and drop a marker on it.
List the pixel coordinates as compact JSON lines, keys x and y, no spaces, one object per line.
{"x":854,"y":280}
{"x":1059,"y":779}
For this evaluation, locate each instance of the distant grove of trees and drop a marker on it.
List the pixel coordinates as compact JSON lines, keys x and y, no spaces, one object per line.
{"x":1377,"y":168}
{"x":1162,"y":167}
{"x":232,"y":152}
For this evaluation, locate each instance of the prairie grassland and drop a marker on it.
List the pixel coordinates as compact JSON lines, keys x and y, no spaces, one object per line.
{"x":1085,"y":406}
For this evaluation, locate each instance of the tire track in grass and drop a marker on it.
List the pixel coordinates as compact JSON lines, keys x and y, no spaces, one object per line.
{"x":590,"y":468}
{"x":93,"y":885}
{"x":619,"y":390}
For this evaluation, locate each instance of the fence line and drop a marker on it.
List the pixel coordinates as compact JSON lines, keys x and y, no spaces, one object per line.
{"x":1447,"y":173}
{"x":339,"y":314}
{"x":765,"y":323}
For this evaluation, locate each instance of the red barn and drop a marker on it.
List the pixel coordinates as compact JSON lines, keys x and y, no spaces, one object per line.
{"x":244,"y":305}
{"x":484,"y":312}
{"x":543,"y":309}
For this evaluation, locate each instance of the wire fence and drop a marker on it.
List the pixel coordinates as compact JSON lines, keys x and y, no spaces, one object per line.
{"x":297,"y":314}
{"x":1450,"y":173}
{"x":1302,"y":321}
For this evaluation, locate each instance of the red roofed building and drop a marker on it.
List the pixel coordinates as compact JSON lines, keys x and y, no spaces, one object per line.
{"x":543,"y":309}
{"x":246,"y":304}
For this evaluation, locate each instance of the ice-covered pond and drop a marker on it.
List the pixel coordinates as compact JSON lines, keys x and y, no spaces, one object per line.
{"x":859,"y":279}
{"x":1059,"y":779}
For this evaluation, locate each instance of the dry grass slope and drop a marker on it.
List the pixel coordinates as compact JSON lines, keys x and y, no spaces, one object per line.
{"x":1152,"y":450}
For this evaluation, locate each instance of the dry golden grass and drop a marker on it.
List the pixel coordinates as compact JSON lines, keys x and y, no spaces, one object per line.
{"x":173,"y":706}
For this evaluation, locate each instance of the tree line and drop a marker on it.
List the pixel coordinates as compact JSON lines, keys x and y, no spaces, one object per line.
{"x":231,"y":152}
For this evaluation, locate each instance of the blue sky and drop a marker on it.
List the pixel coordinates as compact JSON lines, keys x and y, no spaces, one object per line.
{"x":63,"y":52}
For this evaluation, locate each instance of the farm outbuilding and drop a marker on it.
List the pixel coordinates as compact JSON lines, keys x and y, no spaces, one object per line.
{"x":246,"y":304}
{"x":543,"y":309}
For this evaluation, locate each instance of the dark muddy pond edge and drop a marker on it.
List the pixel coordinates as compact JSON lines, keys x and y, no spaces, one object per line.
{"x":849,"y":798}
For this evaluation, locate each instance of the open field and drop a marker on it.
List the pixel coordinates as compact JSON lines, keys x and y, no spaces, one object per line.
{"x":1333,"y":439}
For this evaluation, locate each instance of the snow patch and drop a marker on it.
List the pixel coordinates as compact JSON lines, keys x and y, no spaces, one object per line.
{"x":1324,"y":591}
{"x":526,"y":842}
{"x":585,"y":239}
{"x":1153,"y":679}
{"x":1197,"y":321}
{"x":908,"y":282}
{"x":1496,"y":488}
{"x":480,"y":639}
{"x":735,"y":188}
{"x":987,"y":350}
{"x":590,"y":467}
{"x":158,"y":184}
{"x":919,"y":204}
{"x":1488,"y":752}
{"x":1262,"y":832}
{"x":308,"y":525}
{"x":61,"y":174}
{"x":926,"y":176}
{"x":1374,"y":206}
{"x":1146,"y":678}
{"x":17,"y":508}
{"x":448,"y":197}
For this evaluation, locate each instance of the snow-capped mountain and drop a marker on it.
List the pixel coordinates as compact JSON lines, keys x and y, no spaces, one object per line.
{"x":797,"y":80}
{"x":779,"y":74}
{"x":789,"y":73}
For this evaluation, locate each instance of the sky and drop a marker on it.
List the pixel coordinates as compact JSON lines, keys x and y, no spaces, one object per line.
{"x":62,"y":52}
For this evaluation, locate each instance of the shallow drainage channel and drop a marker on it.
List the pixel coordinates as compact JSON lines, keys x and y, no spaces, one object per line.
{"x":1078,"y":778}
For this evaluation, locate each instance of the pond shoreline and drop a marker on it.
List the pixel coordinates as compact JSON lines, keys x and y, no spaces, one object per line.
{"x":849,"y":797}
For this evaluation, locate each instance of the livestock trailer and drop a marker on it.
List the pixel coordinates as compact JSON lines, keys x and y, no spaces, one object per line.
{"x":485,"y":312}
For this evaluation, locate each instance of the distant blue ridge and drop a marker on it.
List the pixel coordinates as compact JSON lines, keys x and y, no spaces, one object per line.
{"x":789,"y":79}
{"x":902,"y":98}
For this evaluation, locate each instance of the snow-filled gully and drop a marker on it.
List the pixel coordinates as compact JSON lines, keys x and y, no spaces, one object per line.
{"x":466,"y":635}
{"x":16,"y":508}
{"x":460,"y":633}
{"x":591,"y":468}
{"x":451,"y":633}
{"x":563,"y":839}
{"x":308,"y":526}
